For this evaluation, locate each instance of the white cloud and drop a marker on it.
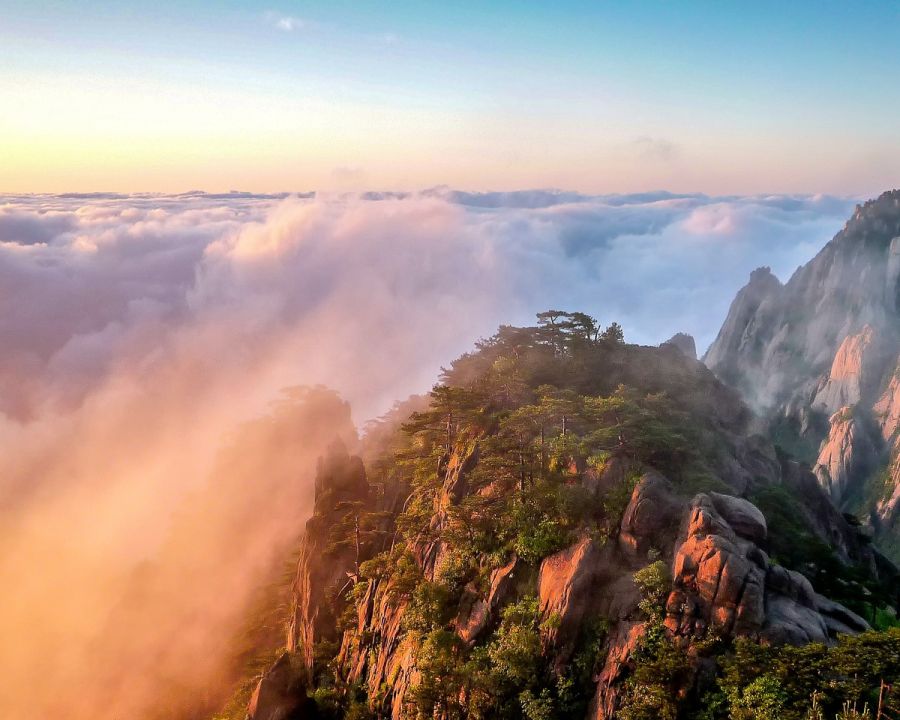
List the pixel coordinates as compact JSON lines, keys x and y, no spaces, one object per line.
{"x":287,"y":23}
{"x":654,"y":148}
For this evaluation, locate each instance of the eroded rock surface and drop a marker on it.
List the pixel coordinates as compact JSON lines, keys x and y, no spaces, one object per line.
{"x":887,"y":415}
{"x":718,"y":577}
{"x":723,"y":582}
{"x":565,"y":591}
{"x":281,"y":695}
{"x":651,"y":518}
{"x":845,"y":455}
{"x":853,"y":370}
{"x":476,"y":611}
{"x":623,"y":642}
{"x":887,"y":408}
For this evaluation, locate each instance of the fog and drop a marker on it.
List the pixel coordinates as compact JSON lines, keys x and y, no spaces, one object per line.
{"x":156,"y":445}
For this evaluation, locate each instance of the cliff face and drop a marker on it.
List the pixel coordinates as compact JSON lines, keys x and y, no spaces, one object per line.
{"x":846,"y":456}
{"x":328,"y":563}
{"x":887,"y":414}
{"x":737,"y":355}
{"x":818,"y":357}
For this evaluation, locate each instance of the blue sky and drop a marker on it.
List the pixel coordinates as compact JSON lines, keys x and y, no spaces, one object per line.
{"x":602,"y":96}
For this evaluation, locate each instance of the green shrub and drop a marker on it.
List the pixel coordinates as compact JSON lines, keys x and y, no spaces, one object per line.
{"x":440,"y":678}
{"x":762,"y":699}
{"x":850,"y":671}
{"x":429,"y":608}
{"x":654,"y":582}
{"x":661,"y":669}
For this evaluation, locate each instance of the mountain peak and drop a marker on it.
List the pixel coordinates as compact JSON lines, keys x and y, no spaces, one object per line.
{"x":877,"y":219}
{"x":761,"y":273}
{"x":763,"y":277}
{"x":684,"y":343}
{"x":889,"y":199}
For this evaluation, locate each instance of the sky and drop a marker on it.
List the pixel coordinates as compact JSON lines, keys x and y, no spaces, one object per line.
{"x":394,"y":161}
{"x":598,"y":97}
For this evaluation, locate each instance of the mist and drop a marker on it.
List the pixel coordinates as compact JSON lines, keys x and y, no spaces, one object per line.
{"x":162,"y":380}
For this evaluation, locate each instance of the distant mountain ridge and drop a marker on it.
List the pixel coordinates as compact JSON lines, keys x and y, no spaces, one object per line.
{"x":819,"y":358}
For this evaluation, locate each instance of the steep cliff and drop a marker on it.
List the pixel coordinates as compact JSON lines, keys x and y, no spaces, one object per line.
{"x":330,"y":553}
{"x":818,"y":358}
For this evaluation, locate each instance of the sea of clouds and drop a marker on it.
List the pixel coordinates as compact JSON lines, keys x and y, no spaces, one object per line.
{"x":368,"y":293}
{"x":138,"y":332}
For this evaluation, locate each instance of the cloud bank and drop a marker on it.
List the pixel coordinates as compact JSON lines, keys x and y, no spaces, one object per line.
{"x":86,"y":279}
{"x":140,"y":333}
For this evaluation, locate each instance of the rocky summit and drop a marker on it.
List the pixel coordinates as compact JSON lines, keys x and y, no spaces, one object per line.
{"x":570,"y":526}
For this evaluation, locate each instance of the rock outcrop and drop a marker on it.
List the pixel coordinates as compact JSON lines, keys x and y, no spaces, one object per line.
{"x":566,"y":587}
{"x":374,"y":652}
{"x":476,"y":612}
{"x":742,"y":516}
{"x":736,"y":356}
{"x":838,"y":619}
{"x":651,"y":520}
{"x":624,"y":640}
{"x":722,"y":582}
{"x":887,"y":408}
{"x":374,"y":655}
{"x":853,"y":370}
{"x":887,"y":415}
{"x":714,"y":545}
{"x":684,"y":343}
